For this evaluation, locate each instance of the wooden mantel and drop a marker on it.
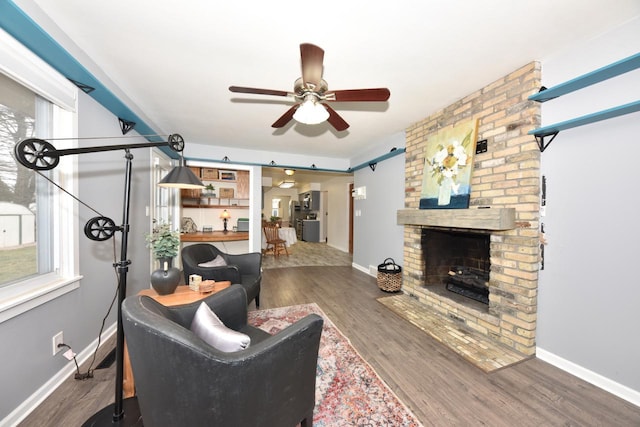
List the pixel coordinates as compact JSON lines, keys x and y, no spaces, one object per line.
{"x":473,"y":218}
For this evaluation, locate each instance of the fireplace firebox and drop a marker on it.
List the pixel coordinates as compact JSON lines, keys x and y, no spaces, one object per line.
{"x":459,"y":261}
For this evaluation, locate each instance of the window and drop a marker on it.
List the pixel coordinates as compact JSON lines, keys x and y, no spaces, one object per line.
{"x":23,"y":252}
{"x":275,"y":207}
{"x":38,"y":263}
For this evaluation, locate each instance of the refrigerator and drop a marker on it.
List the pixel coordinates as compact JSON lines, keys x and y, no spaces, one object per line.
{"x":295,"y":212}
{"x":295,"y":217}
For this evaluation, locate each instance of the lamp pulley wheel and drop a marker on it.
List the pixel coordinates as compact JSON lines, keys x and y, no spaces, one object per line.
{"x":176,"y":142}
{"x":38,"y":154}
{"x":100,"y":228}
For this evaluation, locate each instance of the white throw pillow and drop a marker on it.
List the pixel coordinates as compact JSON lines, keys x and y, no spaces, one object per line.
{"x":216,"y":262}
{"x":211,"y":330}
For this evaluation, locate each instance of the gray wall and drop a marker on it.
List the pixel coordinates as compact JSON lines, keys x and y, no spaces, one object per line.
{"x":589,"y":290}
{"x":102,"y":183}
{"x":27,"y":363}
{"x":376,"y":233}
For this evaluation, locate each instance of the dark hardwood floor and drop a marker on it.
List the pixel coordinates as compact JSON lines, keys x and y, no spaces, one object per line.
{"x":440,"y":387}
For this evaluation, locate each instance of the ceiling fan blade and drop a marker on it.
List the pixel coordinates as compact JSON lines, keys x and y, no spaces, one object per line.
{"x":335,"y":120}
{"x":358,"y":95}
{"x":285,"y":118}
{"x":311,"y":57}
{"x":240,"y":89}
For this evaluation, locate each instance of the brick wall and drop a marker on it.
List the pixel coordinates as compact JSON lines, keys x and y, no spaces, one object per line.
{"x":507,"y":175}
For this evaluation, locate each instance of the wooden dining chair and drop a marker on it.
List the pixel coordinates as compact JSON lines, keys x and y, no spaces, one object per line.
{"x":274,"y":243}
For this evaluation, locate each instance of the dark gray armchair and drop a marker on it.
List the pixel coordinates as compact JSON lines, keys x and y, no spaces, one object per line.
{"x":182,"y":381}
{"x":244,"y":269}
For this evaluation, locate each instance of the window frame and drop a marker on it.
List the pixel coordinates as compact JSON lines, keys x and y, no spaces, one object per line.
{"x":20,"y":64}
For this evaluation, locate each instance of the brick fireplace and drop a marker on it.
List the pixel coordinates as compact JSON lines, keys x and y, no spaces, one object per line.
{"x":506,"y":184}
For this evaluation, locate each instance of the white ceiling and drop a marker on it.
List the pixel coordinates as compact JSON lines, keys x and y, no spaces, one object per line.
{"x":176,"y":59}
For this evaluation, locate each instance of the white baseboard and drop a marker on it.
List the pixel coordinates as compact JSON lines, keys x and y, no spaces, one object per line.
{"x":26,"y":407}
{"x":340,"y":248}
{"x":617,"y":389}
{"x":361,"y":268}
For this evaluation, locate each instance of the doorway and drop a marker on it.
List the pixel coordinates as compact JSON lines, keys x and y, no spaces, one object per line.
{"x":351,"y":218}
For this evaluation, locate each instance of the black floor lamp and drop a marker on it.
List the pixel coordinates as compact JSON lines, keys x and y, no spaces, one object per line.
{"x":38,"y":154}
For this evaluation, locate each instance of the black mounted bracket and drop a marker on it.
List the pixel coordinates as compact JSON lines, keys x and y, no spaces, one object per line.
{"x":126,"y":125}
{"x":541,"y":142}
{"x":373,"y":166}
{"x":83,"y":87}
{"x":540,"y":91}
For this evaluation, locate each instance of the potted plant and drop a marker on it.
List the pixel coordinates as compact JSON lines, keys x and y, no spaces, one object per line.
{"x":276,"y":220}
{"x":210,"y":191}
{"x":164,"y":243}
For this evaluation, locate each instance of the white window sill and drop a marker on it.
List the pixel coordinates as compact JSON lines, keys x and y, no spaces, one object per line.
{"x":22,"y":297}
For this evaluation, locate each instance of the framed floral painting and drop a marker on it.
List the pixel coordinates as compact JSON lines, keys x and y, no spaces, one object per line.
{"x":448,"y":163}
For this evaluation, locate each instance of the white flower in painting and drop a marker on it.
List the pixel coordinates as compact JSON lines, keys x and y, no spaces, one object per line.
{"x":450,"y":172}
{"x":439,"y":157}
{"x":446,"y":162}
{"x":459,"y":153}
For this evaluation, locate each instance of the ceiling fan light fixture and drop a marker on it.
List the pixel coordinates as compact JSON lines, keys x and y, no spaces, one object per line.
{"x":287,"y":184}
{"x":311,"y":112}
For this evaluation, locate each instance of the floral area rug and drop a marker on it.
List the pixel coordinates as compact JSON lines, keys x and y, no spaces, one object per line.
{"x":348,"y":391}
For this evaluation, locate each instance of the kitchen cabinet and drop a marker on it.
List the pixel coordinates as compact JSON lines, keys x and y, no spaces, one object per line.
{"x":310,"y":201}
{"x":311,"y":230}
{"x":315,"y":200}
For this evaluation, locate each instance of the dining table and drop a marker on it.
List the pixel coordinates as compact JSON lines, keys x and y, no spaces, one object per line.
{"x":288,"y":234}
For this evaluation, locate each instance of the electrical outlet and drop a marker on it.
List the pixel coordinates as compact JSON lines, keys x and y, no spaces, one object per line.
{"x":55,"y":340}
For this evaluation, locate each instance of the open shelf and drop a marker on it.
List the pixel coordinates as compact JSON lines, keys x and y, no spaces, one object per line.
{"x":187,"y":205}
{"x":544,"y":135}
{"x":604,"y":73}
{"x":552,"y":130}
{"x":217,"y":203}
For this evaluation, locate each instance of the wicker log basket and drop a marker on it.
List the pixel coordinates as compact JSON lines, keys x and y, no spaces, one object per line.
{"x":389,"y":276}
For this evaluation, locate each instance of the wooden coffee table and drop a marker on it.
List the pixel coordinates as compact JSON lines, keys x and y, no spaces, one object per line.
{"x":182,"y":295}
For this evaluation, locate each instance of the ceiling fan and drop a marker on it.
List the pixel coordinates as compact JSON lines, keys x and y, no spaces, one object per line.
{"x":312,"y":93}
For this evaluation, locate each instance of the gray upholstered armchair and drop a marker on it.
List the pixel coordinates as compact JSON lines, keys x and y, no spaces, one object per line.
{"x":244,"y":269}
{"x":183,"y":381}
